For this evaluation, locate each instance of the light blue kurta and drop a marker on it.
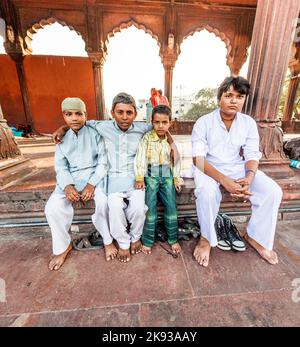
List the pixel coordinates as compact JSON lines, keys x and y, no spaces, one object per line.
{"x":81,"y":159}
{"x":121,"y":149}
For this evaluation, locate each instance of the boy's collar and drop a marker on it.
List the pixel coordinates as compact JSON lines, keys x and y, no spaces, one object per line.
{"x":118,"y":128}
{"x":79,"y":131}
{"x":155,"y":136}
{"x":220,"y":118}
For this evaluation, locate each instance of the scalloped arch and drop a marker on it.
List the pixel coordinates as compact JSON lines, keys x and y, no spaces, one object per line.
{"x":218,"y":34}
{"x":128,"y":24}
{"x":41,"y":24}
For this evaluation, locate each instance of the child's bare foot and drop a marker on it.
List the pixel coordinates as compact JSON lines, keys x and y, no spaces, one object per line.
{"x":110,"y":251}
{"x":146,"y":250}
{"x":176,"y":248}
{"x":136,"y":247}
{"x":202,"y":251}
{"x":124,"y":255}
{"x":269,"y":255}
{"x":57,"y":261}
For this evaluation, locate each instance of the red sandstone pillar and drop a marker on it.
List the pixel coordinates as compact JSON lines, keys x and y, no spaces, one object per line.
{"x":169,"y":58}
{"x":270,"y":52}
{"x":169,"y":83}
{"x":98,"y":59}
{"x":18,"y":58}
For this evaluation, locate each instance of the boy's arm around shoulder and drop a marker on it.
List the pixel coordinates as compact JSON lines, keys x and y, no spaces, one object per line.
{"x":98,"y":125}
{"x":141,"y":160}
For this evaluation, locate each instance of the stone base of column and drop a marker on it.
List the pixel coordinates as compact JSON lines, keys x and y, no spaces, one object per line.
{"x":292,"y":126}
{"x":274,"y":162}
{"x":12,"y":170}
{"x":276,"y":169}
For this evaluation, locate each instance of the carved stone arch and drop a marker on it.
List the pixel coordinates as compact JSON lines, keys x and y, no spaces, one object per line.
{"x":218,"y":34}
{"x":41,"y":24}
{"x":130,"y":23}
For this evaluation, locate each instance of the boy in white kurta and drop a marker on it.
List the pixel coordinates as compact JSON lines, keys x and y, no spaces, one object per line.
{"x":81,"y":167}
{"x":225,"y":145}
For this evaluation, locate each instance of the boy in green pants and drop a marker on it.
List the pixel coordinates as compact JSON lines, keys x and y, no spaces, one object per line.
{"x":154,"y":170}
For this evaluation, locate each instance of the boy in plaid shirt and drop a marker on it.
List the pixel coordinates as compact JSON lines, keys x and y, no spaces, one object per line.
{"x":153,"y":170}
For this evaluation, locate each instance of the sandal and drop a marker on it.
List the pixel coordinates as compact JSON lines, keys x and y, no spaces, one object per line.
{"x":88,"y":243}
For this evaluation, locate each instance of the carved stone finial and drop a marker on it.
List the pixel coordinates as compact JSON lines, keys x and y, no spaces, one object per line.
{"x":8,"y":145}
{"x":171,"y":41}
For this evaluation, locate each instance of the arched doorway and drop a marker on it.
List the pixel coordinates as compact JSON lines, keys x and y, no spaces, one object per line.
{"x":133,"y":65}
{"x":200,"y":68}
{"x":57,"y":68}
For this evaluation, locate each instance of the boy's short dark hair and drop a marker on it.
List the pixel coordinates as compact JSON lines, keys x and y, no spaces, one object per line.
{"x":162,"y":109}
{"x":239,"y":84}
{"x":123,"y":98}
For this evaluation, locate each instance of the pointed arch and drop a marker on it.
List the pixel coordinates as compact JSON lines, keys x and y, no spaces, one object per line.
{"x":218,"y":34}
{"x":126,"y":25}
{"x":40,"y":25}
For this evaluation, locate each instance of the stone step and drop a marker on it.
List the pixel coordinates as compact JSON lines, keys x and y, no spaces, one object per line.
{"x":34,"y":141}
{"x":33,"y":201}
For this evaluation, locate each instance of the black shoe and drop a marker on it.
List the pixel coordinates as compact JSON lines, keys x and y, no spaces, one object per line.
{"x":223,"y":242}
{"x":233,"y":236}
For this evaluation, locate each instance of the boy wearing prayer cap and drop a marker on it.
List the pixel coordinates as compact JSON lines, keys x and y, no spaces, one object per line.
{"x":81,"y":168}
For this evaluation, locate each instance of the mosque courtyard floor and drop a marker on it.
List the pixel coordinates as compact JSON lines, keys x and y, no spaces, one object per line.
{"x":237,"y":289}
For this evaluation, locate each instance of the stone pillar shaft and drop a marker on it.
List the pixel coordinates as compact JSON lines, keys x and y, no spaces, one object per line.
{"x":98,"y":59}
{"x":272,"y":40}
{"x":169,"y":83}
{"x":270,"y":52}
{"x":24,"y":92}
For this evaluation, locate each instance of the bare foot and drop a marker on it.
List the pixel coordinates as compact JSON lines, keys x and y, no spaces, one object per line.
{"x":269,"y":255}
{"x":202,"y":251}
{"x":136,"y":247}
{"x":146,"y":250}
{"x":176,"y":248}
{"x":110,"y":251}
{"x":124,"y":255}
{"x":57,"y":261}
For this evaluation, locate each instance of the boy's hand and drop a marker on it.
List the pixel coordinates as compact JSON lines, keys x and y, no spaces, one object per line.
{"x":59,"y":134}
{"x":139,"y":185}
{"x":88,"y":192}
{"x":71,"y":193}
{"x":178,"y":187}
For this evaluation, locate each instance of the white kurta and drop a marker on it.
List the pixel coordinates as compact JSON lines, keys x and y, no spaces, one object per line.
{"x":121,"y":150}
{"x":222,"y":148}
{"x":79,"y":159}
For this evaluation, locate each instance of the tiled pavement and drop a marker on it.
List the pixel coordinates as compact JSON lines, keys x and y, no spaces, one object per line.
{"x":237,"y":289}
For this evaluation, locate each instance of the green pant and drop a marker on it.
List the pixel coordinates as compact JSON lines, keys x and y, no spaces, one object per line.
{"x":162,"y":185}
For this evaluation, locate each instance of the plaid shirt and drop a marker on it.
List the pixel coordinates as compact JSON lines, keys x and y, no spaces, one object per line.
{"x":154,"y":151}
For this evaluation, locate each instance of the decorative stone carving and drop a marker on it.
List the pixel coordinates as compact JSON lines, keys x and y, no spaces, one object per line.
{"x":271,"y":141}
{"x":171,"y":41}
{"x":8,"y":145}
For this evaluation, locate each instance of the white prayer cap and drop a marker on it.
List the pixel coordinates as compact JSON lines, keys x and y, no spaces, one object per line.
{"x":73,"y":104}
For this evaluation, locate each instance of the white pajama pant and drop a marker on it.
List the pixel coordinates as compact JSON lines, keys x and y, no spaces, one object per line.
{"x":60,"y":212}
{"x":119,"y":213}
{"x":265,"y":203}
